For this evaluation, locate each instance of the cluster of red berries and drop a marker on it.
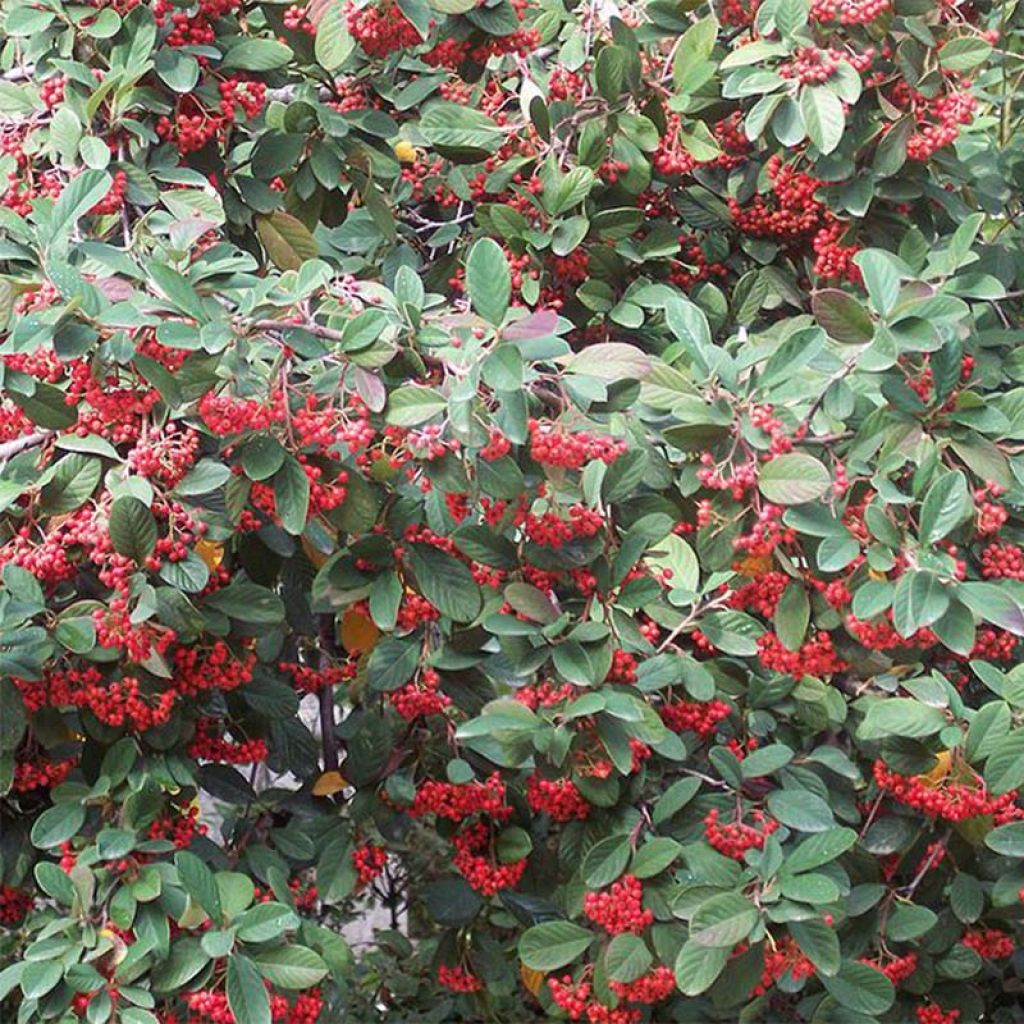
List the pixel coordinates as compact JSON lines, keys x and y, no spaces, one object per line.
{"x":381,"y":29}
{"x":653,"y":987}
{"x":896,"y":970}
{"x":369,"y":861}
{"x":14,"y":905}
{"x":849,"y":12}
{"x":619,"y":908}
{"x":307,"y":679}
{"x":558,"y":798}
{"x":181,"y":825}
{"x":783,"y":957}
{"x":296,"y":19}
{"x":701,"y":717}
{"x":209,"y":745}
{"x":734,"y":838}
{"x":473,"y":859}
{"x":951,"y":801}
{"x":811,"y":65}
{"x":217,"y":668}
{"x":420,"y":698}
{"x":458,"y":979}
{"x":551,"y":530}
{"x":552,"y":446}
{"x":939,"y":120}
{"x":991,"y":515}
{"x":236,"y":91}
{"x":762,"y":594}
{"x":458,"y":801}
{"x":816,"y":657}
{"x":497,"y":447}
{"x":40,"y":774}
{"x":207,"y":1006}
{"x":623,"y":669}
{"x":1002,"y":562}
{"x":989,"y":943}
{"x":544,"y":695}
{"x":932,"y":1013}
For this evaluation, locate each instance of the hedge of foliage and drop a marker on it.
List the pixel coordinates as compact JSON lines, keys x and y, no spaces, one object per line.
{"x":553,"y":472}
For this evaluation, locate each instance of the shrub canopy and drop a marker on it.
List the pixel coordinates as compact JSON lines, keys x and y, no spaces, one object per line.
{"x":554,"y":472}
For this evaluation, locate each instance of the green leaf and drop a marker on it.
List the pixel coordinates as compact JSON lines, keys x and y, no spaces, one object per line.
{"x":820,"y":943}
{"x":56,"y":824}
{"x":76,"y":199}
{"x":262,"y":457}
{"x":247,"y":996}
{"x":843,"y":317}
{"x":392,"y":664}
{"x":39,"y":977}
{"x":946,"y":505}
{"x":1004,"y":769}
{"x":819,"y":849}
{"x":1007,"y":840}
{"x":674,"y":554}
{"x":291,"y":495}
{"x":291,"y":967}
{"x":533,"y":603}
{"x":654,"y":856}
{"x":880,"y":278}
{"x":198,"y":881}
{"x":766,"y":760}
{"x":794,"y":479}
{"x":860,"y":988}
{"x":286,"y":239}
{"x":964,"y":53}
{"x":792,"y":615}
{"x":177,"y":290}
{"x":570,"y":190}
{"x":919,"y":600}
{"x":45,"y":407}
{"x":627,"y":958}
{"x":605,"y":861}
{"x":412,"y":405}
{"x":333,"y":43}
{"x":74,"y":479}
{"x":823,"y":116}
{"x":697,"y":966}
{"x":257,"y":55}
{"x":445,"y":582}
{"x":800,"y":810}
{"x":553,"y":944}
{"x":723,"y":921}
{"x":910,"y":921}
{"x":132,"y":528}
{"x":459,"y":133}
{"x":488,"y":280}
{"x":247,"y":602}
{"x":900,"y":716}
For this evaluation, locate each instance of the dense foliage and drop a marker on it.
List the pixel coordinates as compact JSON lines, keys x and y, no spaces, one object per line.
{"x":553,"y":472}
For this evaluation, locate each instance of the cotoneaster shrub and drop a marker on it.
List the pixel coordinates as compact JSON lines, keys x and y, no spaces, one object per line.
{"x":554,"y":472}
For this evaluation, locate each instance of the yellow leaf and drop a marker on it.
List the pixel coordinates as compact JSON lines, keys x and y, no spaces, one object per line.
{"x":119,"y":951}
{"x":943,"y":764}
{"x":405,"y":151}
{"x":877,"y":576}
{"x":531,"y":979}
{"x":359,"y":633}
{"x":287,"y":240}
{"x":315,"y":555}
{"x":210,"y":552}
{"x":328,"y":784}
{"x":755,"y":565}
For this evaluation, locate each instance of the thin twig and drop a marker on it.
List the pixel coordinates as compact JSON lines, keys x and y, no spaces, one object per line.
{"x":19,"y":444}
